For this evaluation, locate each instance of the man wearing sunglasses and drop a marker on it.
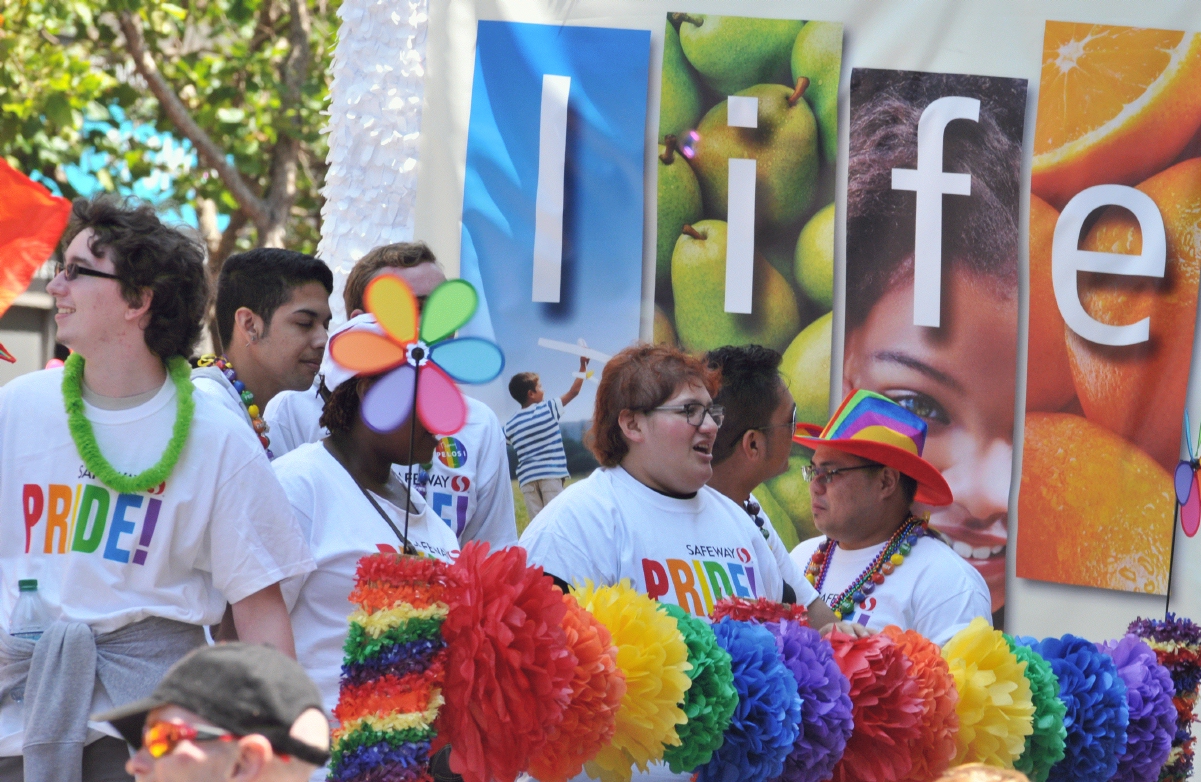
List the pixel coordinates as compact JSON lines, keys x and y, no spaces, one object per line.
{"x":874,"y":564}
{"x":227,"y":712}
{"x":139,"y":505}
{"x":753,"y":445}
{"x":647,"y":514}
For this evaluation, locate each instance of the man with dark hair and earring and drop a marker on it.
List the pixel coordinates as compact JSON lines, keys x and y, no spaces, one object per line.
{"x":753,"y":445}
{"x":139,"y":507}
{"x":272,"y":313}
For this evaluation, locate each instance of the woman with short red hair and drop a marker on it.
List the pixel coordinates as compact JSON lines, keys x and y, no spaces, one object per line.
{"x":646,"y":514}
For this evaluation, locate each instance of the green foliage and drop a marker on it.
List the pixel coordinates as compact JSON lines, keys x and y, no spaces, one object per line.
{"x":62,"y":61}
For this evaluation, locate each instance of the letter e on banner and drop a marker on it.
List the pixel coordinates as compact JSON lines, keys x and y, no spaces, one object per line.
{"x":930,"y":183}
{"x":1067,"y":258}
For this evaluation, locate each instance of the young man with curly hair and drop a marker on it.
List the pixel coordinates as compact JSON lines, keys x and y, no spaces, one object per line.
{"x":138,"y":506}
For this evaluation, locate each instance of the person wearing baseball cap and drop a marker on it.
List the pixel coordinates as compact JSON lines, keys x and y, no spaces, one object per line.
{"x":875,"y":564}
{"x":225,"y":712}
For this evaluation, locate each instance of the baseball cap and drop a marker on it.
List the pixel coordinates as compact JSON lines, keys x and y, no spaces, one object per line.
{"x":242,"y":688}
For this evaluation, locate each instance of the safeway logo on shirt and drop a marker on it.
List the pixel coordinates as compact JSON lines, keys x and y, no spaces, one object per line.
{"x":698,"y":584}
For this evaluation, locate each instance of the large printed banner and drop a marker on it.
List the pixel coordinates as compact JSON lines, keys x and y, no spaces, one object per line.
{"x":885,"y":255}
{"x":932,"y":282}
{"x":1115,"y":257}
{"x":748,"y":139}
{"x":552,"y":204}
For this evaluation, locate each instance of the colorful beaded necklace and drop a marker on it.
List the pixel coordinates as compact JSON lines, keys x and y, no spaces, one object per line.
{"x":889,"y":558}
{"x":256,"y":419}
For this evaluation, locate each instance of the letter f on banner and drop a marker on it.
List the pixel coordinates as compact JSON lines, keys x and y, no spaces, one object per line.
{"x":930,"y":183}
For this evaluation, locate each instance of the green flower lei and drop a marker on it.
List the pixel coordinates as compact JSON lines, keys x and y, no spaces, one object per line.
{"x":85,"y":437}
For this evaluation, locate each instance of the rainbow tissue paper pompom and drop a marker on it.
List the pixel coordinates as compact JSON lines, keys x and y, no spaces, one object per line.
{"x":653,"y":657}
{"x":509,"y":669}
{"x":393,"y":673}
{"x":709,"y":703}
{"x":887,"y":709}
{"x":596,"y":691}
{"x":764,"y":726}
{"x":939,"y":721}
{"x":1152,"y":722}
{"x":1095,"y":696}
{"x":996,"y":708}
{"x":1045,"y":746}
{"x":826,"y":721}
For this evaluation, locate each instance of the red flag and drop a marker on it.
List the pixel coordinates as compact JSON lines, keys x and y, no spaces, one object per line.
{"x":31,"y":221}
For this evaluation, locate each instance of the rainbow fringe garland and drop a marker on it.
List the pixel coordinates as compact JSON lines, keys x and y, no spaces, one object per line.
{"x":392,"y":677}
{"x":1177,"y":645}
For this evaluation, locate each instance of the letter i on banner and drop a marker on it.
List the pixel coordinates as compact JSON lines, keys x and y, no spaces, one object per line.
{"x":548,"y":217}
{"x":934,"y":167}
{"x":744,"y":248}
{"x":1113,"y":304}
{"x":553,"y":204}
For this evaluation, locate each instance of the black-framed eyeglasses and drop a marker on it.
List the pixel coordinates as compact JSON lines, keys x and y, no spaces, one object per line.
{"x":694,"y":412}
{"x":813,"y":473}
{"x":791,"y":424}
{"x":73,"y":270}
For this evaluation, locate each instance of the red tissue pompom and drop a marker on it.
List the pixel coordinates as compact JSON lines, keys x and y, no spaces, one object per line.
{"x":887,"y":707}
{"x":936,"y":688}
{"x":509,"y":670}
{"x":596,"y":692}
{"x":762,"y":610}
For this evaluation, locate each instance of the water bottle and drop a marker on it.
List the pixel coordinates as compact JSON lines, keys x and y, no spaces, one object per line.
{"x":30,"y":617}
{"x":29,"y":620}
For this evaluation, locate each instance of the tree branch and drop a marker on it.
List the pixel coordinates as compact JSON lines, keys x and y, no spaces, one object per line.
{"x":281,"y":193}
{"x":211,"y":154}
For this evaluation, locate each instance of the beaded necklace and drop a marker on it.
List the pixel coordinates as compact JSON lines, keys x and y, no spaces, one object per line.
{"x":889,"y":558}
{"x":256,"y":420}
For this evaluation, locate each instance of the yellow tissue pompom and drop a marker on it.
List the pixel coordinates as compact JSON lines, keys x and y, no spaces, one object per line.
{"x":996,"y":710}
{"x":652,"y":655}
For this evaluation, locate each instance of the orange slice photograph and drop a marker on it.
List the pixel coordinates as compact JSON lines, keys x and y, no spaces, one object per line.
{"x":1115,"y":105}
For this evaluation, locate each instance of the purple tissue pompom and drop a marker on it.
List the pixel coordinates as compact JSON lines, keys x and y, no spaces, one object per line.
{"x":826,"y":720}
{"x":1152,"y":724}
{"x":764,"y":727}
{"x":1095,"y":696}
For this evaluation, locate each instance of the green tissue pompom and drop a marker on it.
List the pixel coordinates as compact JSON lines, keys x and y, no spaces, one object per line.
{"x":709,"y":703}
{"x":1045,"y":747}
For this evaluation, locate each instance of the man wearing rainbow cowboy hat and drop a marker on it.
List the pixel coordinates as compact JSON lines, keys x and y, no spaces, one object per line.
{"x":874,"y":564}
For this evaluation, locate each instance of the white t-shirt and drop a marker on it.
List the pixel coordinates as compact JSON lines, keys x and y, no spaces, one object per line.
{"x":294,"y":418}
{"x":689,"y":552}
{"x":792,"y":575}
{"x":467,"y":484}
{"x":219,"y":529}
{"x":935,"y":591}
{"x":341,"y":527}
{"x":212,"y":381}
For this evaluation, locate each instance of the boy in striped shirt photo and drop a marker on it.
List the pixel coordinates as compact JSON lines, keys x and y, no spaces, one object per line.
{"x":534,"y":434}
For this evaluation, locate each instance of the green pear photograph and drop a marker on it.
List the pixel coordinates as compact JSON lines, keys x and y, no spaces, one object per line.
{"x":747,"y":148}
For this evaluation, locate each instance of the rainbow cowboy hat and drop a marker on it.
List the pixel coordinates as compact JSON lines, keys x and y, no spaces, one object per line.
{"x":876,"y":428}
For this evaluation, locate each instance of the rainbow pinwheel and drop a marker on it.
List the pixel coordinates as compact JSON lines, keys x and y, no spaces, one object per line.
{"x":416,"y":351}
